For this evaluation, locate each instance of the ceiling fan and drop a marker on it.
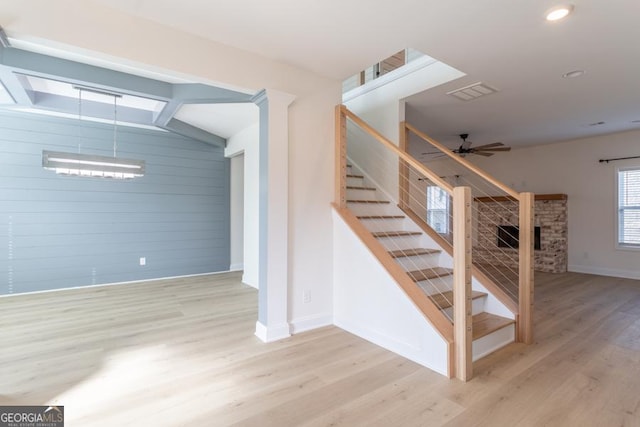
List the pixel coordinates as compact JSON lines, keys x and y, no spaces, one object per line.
{"x":485,"y":150}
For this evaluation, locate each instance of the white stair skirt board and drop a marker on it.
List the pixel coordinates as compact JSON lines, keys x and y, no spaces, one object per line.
{"x":494,"y":341}
{"x":371,"y":305}
{"x":273,"y":333}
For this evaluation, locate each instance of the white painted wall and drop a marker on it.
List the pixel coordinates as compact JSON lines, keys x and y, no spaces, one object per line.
{"x":244,"y":144}
{"x":572,"y":168}
{"x":237,"y":212}
{"x":384,"y":109}
{"x":370,"y":304}
{"x":107,"y":34}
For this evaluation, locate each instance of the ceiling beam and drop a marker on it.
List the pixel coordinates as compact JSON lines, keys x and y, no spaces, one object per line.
{"x":189,"y":131}
{"x":17,"y":63}
{"x":59,"y":69}
{"x":197,"y":93}
{"x":17,"y":86}
{"x":100,"y":110}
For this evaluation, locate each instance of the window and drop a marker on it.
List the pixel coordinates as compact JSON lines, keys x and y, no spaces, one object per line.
{"x":629,"y":208}
{"x":438,"y":209}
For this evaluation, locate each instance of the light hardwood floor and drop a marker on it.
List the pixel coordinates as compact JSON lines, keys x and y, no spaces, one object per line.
{"x":182,"y":353}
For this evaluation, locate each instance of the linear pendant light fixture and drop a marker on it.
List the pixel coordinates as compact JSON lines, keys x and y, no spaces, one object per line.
{"x":87,"y":165}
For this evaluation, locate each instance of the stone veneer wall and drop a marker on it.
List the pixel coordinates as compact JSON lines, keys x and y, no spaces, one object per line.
{"x":550,"y":216}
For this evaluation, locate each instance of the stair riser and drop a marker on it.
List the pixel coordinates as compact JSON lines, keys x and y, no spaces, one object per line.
{"x":383,"y":224}
{"x":418,"y":262}
{"x":477,"y":307}
{"x":437,"y":285}
{"x":400,"y":242}
{"x":372,"y":208}
{"x":494,"y":341}
{"x":355,"y":182}
{"x":361,"y":194}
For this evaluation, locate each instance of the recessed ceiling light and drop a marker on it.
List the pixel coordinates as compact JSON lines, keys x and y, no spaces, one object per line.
{"x":574,"y":73}
{"x":559,"y":12}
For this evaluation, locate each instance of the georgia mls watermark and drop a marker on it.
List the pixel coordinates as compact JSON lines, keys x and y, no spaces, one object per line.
{"x":31,"y":416}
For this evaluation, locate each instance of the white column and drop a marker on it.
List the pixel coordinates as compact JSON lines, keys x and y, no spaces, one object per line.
{"x":273,"y":209}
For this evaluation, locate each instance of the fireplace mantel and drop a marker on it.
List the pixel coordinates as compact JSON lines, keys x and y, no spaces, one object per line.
{"x":490,"y":199}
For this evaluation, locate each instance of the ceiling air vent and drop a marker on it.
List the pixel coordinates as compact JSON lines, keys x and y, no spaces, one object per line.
{"x":473,"y":91}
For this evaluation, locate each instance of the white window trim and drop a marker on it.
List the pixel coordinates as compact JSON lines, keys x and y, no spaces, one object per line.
{"x":618,"y":245}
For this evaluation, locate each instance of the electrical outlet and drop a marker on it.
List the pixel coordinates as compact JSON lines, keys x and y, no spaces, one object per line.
{"x":306,"y":296}
{"x":143,"y":260}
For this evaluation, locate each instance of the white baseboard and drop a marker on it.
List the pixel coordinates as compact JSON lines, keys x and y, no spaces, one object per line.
{"x":236,"y":267}
{"x":308,"y":323}
{"x":601,"y":271}
{"x":404,"y":349}
{"x":272,"y":333}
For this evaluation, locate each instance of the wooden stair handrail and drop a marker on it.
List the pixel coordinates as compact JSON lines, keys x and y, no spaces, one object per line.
{"x":401,"y":154}
{"x":467,"y":164}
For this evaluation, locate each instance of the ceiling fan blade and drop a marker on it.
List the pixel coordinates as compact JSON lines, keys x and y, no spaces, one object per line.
{"x":493,"y":149}
{"x":432,"y":152}
{"x":493,"y":144}
{"x":482,"y":153}
{"x":431,"y":158}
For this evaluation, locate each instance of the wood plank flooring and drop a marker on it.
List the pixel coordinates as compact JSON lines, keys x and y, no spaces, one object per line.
{"x":182,"y":352}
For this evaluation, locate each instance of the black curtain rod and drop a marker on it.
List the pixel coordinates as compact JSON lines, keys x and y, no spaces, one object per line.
{"x":619,"y":158}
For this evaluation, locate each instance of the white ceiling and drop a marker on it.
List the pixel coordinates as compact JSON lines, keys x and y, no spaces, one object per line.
{"x":504,"y":43}
{"x":224,"y":120}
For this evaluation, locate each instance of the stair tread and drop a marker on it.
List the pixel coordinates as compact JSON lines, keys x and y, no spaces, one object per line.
{"x":380,"y":217}
{"x":395,"y":233}
{"x":486,"y":323}
{"x":413,"y":252}
{"x":445,"y":299}
{"x":368,"y":201}
{"x":354,"y":187}
{"x":429,"y":273}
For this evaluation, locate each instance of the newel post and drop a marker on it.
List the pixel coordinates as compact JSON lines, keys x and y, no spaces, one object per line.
{"x":341,"y":157}
{"x":526,"y":265}
{"x":403,"y":169}
{"x":462,"y":314}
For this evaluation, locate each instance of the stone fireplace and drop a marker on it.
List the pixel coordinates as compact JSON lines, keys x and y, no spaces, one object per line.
{"x":498,"y":221}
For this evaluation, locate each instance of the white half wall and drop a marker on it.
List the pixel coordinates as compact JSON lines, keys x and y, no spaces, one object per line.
{"x":572,"y":168}
{"x":371,"y":305}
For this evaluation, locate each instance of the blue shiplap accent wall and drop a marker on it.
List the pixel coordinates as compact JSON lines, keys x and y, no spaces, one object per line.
{"x":61,"y":231}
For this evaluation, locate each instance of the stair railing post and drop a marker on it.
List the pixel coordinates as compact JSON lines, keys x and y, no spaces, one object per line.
{"x":462,"y":312}
{"x":341,"y":157}
{"x":526,"y":265}
{"x":403,"y":169}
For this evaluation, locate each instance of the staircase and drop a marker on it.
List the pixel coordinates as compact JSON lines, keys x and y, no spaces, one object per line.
{"x":424,"y":262}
